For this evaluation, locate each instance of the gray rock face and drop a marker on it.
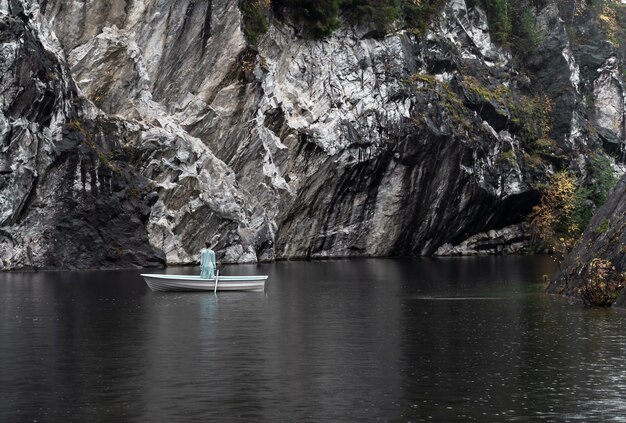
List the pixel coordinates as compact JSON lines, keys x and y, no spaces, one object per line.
{"x":609,"y":96}
{"x":347,"y":146}
{"x":600,"y":82}
{"x":60,"y":187}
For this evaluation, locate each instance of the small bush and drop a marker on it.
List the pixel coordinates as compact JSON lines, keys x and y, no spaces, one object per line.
{"x":380,"y":13}
{"x":603,"y":227}
{"x":254,"y":18}
{"x":499,"y":21}
{"x":418,"y":14}
{"x":602,"y":178}
{"x":545,"y":145}
{"x":319,"y":16}
{"x":601,"y":283}
{"x":589,"y":196}
{"x":513,"y":25}
{"x":535,"y":113}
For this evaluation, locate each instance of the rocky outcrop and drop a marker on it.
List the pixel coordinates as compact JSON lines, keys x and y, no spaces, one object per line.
{"x":510,"y":240}
{"x":293,"y":148}
{"x":599,"y":79}
{"x":604,"y":239}
{"x":609,"y":95}
{"x":66,"y":200}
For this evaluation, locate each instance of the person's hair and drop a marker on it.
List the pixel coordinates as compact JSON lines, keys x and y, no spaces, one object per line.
{"x":208,"y":244}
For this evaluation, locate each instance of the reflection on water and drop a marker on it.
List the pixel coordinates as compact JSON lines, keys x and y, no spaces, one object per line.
{"x":351,"y":340}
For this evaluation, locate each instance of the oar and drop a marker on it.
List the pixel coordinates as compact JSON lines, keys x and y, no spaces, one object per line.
{"x":217,"y":278}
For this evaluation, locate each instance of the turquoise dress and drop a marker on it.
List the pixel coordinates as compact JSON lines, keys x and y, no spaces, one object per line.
{"x":207,"y":263}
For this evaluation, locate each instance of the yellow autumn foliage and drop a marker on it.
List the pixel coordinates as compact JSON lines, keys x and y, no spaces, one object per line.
{"x":551,"y":220}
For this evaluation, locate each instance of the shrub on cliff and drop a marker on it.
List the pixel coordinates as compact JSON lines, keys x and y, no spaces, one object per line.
{"x":321,"y":17}
{"x":601,"y":283}
{"x":499,"y":20}
{"x":381,"y":14}
{"x":552,"y":219}
{"x":513,"y":25}
{"x":611,"y":19}
{"x":254,"y":18}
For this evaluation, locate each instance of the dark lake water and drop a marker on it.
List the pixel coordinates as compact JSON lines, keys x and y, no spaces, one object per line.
{"x":467,"y":339}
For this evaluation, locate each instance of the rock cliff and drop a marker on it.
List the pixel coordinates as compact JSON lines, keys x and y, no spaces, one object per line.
{"x":132,"y":131}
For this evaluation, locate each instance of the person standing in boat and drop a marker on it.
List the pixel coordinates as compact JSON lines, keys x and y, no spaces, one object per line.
{"x":207,"y":261}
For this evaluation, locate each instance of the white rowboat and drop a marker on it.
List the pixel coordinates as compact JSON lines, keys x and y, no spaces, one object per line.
{"x":195,"y":283}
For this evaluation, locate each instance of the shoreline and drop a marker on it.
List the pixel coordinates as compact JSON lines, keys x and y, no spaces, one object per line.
{"x":299,"y":259}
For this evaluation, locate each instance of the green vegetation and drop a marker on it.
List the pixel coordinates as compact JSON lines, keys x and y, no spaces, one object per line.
{"x":255,"y":18}
{"x":535,"y":113}
{"x":529,"y":117}
{"x":506,"y":157}
{"x":545,"y":145}
{"x":603,"y":227}
{"x":611,"y":16}
{"x":382,"y":13}
{"x":321,"y":17}
{"x":513,"y":24}
{"x":414,"y":15}
{"x":499,"y":19}
{"x":568,"y":204}
{"x":607,"y":16}
{"x":75,"y":124}
{"x":446,"y":97}
{"x":500,"y":94}
{"x":424,"y":77}
{"x":590,"y":196}
{"x":532,"y":113}
{"x":602,"y":178}
{"x":552,"y":220}
{"x":418,"y":14}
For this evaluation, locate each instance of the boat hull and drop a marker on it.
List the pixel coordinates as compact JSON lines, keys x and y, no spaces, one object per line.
{"x":195,"y":283}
